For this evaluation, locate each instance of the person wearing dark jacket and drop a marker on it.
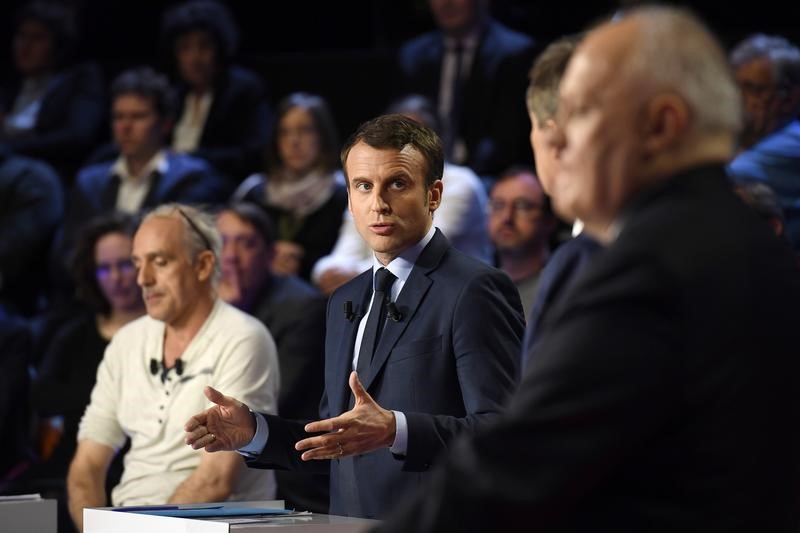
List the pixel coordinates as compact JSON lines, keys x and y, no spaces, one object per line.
{"x":223,"y":112}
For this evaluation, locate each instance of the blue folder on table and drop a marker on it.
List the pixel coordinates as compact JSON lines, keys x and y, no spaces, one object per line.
{"x":204,"y":512}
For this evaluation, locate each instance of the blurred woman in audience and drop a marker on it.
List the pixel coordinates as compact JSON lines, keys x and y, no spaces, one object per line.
{"x":224,"y":116}
{"x":302,"y":189}
{"x":106,"y":281}
{"x":50,"y":109}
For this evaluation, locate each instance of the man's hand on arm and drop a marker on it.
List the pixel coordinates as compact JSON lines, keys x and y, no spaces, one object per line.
{"x":228,"y":425}
{"x":86,"y":480}
{"x":366,"y":427}
{"x":212,"y":481}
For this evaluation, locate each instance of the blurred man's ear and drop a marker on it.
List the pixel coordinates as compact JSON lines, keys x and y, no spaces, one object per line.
{"x":666,"y":121}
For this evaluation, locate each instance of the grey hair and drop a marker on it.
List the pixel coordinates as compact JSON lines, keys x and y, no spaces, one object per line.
{"x":783,"y":56}
{"x":678,"y":51}
{"x":198,"y":238}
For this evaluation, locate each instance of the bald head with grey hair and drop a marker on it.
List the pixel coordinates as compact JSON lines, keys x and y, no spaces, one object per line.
{"x":199,"y":231}
{"x":644,"y":97}
{"x":677,"y":51}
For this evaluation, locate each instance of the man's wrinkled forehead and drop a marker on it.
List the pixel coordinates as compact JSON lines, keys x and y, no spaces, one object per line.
{"x":602,"y":62}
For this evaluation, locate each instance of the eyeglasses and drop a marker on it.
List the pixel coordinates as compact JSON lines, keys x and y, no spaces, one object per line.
{"x":520,"y":205}
{"x":124,"y":266}
{"x":196,"y":229}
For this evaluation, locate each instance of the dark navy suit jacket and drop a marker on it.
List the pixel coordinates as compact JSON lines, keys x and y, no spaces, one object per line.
{"x":448,"y":365}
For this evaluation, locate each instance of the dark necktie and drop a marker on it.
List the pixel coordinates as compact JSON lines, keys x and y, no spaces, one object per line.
{"x":454,"y":116}
{"x":375,"y":321}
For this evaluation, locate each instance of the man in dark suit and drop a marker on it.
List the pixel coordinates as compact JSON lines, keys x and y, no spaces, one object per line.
{"x":224,"y":116}
{"x":294,"y":313}
{"x":145,"y":174}
{"x":442,"y":363}
{"x":663,"y":394}
{"x":474,"y":69}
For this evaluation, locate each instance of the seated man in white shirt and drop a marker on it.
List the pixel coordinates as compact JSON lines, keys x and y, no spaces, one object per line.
{"x":155,"y":368}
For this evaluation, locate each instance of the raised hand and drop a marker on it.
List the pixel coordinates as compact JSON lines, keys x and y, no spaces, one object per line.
{"x":228,"y":425}
{"x":366,"y":427}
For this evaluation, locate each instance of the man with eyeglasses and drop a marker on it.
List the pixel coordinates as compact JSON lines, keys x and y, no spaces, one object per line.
{"x":767,"y":70}
{"x":520,"y":225}
{"x":155,"y":368}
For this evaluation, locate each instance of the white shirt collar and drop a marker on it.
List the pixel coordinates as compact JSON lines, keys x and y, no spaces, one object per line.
{"x":401,"y":265}
{"x":158,"y":163}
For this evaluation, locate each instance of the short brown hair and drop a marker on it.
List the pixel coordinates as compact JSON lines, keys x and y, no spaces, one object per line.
{"x":545,"y":76}
{"x":396,"y":132}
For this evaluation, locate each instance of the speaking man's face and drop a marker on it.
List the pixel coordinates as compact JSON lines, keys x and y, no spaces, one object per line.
{"x":390,"y":203}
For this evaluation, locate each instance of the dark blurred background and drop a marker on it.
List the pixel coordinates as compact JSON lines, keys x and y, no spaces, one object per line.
{"x":344,"y":50}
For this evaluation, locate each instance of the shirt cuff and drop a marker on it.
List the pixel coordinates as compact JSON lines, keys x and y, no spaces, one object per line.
{"x":256,"y":445}
{"x":400,"y":444}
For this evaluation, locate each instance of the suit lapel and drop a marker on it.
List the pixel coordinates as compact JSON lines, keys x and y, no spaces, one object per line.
{"x":108,"y":195}
{"x":412,"y":295}
{"x":344,"y":363}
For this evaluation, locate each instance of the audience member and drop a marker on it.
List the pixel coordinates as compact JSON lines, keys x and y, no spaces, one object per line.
{"x":106,"y":284}
{"x":294,"y":313}
{"x":662,"y":396}
{"x":31,"y":208}
{"x":767,"y":69}
{"x":445,"y":361}
{"x":460,"y":217}
{"x":301,"y":187}
{"x":146,"y":173}
{"x":570,"y":258}
{"x":520,"y":226}
{"x":51,"y":109}
{"x":78,"y":336}
{"x":154,"y":370}
{"x":474,"y":68}
{"x":224,"y":115}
